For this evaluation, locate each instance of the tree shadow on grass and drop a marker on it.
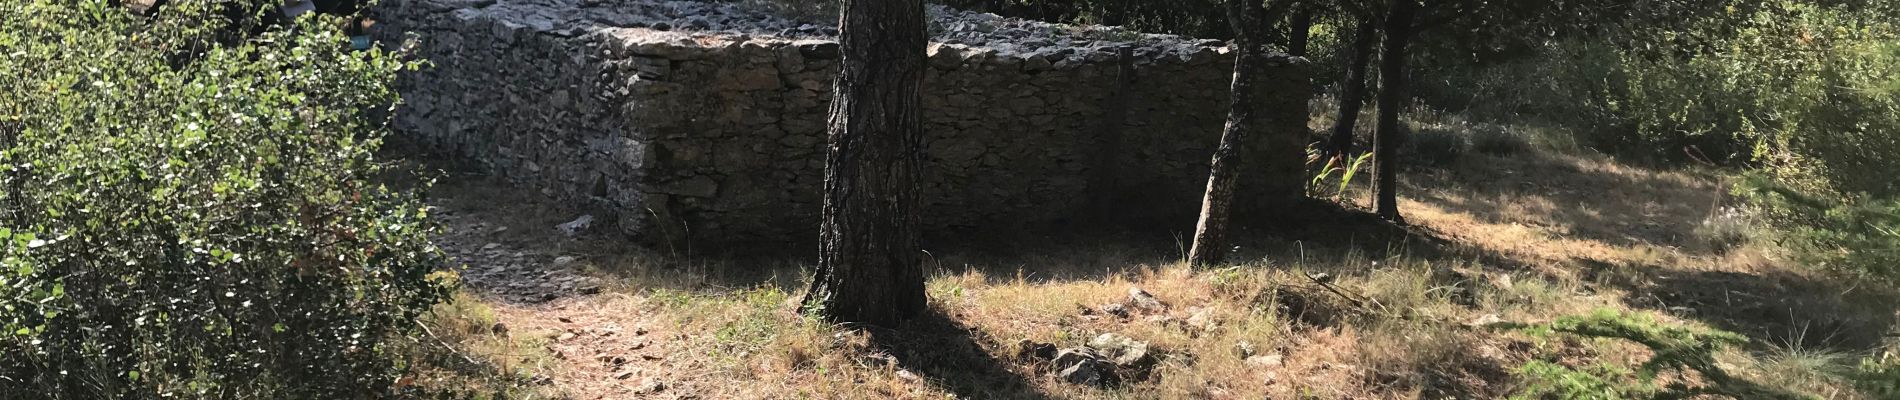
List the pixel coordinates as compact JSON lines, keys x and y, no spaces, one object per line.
{"x":1776,"y":309}
{"x":1581,"y":197}
{"x":1319,"y":234}
{"x":953,"y":357}
{"x":1336,"y":239}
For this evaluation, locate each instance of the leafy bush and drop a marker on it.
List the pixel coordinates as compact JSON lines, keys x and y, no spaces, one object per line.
{"x":1727,"y":78}
{"x":188,"y":212}
{"x":1812,"y":90}
{"x":1854,"y":235}
{"x":1825,"y":117}
{"x":1880,"y":380}
{"x":1198,"y":18}
{"x":1827,"y":136}
{"x":1805,"y":93}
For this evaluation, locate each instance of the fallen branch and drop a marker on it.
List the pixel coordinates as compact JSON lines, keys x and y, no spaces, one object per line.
{"x":1325,"y":281}
{"x":445,"y":344}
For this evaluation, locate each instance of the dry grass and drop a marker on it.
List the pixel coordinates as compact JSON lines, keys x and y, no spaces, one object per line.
{"x":461,"y":355}
{"x":1520,"y":237}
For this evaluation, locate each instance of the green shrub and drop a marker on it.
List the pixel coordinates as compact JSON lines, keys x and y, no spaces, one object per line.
{"x":188,"y":213}
{"x":1826,"y":135}
{"x":1807,"y":88}
{"x":1197,"y":18}
{"x":1854,"y":235}
{"x":1879,"y":380}
{"x":1813,"y":80}
{"x":1804,"y":93}
{"x":1811,"y":90}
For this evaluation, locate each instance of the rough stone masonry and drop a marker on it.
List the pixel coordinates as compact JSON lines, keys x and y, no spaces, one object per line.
{"x":705,"y":121}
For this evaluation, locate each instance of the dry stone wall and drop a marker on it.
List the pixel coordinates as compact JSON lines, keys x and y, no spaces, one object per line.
{"x":707,"y":120}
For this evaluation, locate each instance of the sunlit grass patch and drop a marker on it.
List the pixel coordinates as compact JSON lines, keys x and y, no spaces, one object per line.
{"x":467,"y":351}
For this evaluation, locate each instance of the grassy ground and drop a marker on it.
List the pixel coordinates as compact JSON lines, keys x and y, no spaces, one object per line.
{"x":1521,"y":236}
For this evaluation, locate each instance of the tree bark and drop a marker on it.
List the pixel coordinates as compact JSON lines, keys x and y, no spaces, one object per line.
{"x":1352,"y":91}
{"x":1107,"y":192}
{"x":1300,"y":31}
{"x":1248,"y":18}
{"x":1115,"y":13}
{"x":869,"y":270}
{"x":1398,"y":34}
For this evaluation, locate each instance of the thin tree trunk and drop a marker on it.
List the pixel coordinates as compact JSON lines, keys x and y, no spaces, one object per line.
{"x":1115,"y":13}
{"x":1248,"y":18}
{"x":1398,"y":32}
{"x":1352,"y":92}
{"x":1300,"y":31}
{"x":15,"y":200}
{"x":1107,"y":193}
{"x":868,"y":266}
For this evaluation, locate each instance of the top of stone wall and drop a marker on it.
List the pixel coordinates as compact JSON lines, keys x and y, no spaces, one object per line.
{"x":673,"y":20}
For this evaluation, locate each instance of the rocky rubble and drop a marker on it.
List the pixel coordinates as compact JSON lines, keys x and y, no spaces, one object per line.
{"x":1107,"y":360}
{"x":1111,"y":359}
{"x":509,"y":271}
{"x":1007,"y":36}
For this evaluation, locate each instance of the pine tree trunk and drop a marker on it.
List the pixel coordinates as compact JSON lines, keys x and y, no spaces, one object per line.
{"x":868,"y":266}
{"x":1352,"y":92}
{"x":1398,"y":32}
{"x":1115,"y":13}
{"x":1248,"y":18}
{"x":1300,"y":31}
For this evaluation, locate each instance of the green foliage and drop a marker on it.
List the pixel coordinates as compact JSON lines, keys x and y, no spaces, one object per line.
{"x":1675,"y":348}
{"x":1804,"y":92}
{"x":1802,"y":86}
{"x":1546,"y":380}
{"x":1198,"y":18}
{"x":1826,"y":134}
{"x":1853,"y":235}
{"x":1812,"y":89}
{"x":1878,"y":379}
{"x":1333,"y":166}
{"x":188,"y":210}
{"x":1781,"y":82}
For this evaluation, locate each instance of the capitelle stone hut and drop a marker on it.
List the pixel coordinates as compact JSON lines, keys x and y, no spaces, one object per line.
{"x":706,"y":120}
